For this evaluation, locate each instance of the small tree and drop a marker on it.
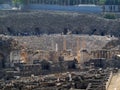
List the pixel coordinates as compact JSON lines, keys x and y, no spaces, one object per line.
{"x":110,"y":16}
{"x":102,"y":2}
{"x":17,"y":3}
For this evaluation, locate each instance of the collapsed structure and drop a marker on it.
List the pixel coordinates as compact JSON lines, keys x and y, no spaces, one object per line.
{"x":74,"y":63}
{"x":78,"y":50}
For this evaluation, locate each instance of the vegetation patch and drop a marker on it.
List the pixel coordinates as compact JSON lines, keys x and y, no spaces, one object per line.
{"x":110,"y":16}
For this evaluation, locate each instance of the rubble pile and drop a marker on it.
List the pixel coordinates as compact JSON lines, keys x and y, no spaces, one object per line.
{"x":86,"y":80}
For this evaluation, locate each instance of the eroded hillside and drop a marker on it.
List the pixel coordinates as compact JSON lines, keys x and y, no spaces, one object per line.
{"x":38,"y":22}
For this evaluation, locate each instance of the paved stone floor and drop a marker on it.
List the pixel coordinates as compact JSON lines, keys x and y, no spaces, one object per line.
{"x":115,"y":82}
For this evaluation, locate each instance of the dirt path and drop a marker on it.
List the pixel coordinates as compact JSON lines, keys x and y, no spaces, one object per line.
{"x":115,"y":82}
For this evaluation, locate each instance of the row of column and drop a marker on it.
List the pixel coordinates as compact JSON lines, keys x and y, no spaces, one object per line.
{"x":62,"y":2}
{"x":111,"y":8}
{"x":102,"y":54}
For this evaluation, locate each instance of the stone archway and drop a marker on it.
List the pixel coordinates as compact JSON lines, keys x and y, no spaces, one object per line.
{"x":45,"y":65}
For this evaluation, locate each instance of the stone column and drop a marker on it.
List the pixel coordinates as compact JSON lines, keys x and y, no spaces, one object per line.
{"x":102,"y":52}
{"x":95,"y":54}
{"x":105,"y":54}
{"x":109,"y":53}
{"x":92,"y":54}
{"x":98,"y":54}
{"x":68,"y":2}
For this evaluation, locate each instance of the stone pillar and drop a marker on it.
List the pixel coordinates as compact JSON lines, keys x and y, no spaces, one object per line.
{"x":105,"y":54}
{"x":113,"y":53}
{"x":109,"y":54}
{"x":102,"y":52}
{"x":78,"y":56}
{"x":98,"y":52}
{"x":79,"y":1}
{"x":68,"y":3}
{"x":93,"y":54}
{"x":43,"y":1}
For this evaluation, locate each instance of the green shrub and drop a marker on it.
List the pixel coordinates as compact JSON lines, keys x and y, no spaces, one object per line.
{"x":110,"y":16}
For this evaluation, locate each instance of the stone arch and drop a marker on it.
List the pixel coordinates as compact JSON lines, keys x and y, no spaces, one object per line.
{"x":45,"y":65}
